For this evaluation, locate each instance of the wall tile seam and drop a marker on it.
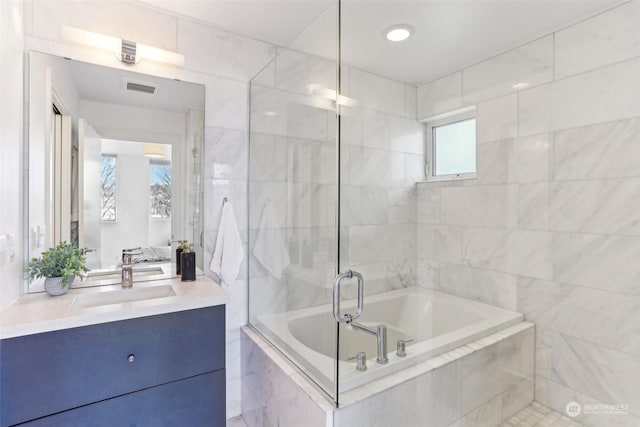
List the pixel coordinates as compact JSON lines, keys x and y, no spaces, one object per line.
{"x":553,"y":33}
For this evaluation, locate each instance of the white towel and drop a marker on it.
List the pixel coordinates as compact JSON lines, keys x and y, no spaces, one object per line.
{"x":270,"y":248}
{"x":228,"y":252}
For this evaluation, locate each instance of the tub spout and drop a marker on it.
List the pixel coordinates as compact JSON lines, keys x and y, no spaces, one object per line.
{"x":381,"y":335}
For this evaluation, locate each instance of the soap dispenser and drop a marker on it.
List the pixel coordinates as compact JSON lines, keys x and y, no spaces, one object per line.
{"x":188,"y":263}
{"x":179,"y":250}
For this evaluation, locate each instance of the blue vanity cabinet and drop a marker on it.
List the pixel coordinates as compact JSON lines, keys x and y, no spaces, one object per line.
{"x":132,"y":372}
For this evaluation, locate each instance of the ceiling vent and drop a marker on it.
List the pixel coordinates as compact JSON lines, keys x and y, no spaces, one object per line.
{"x":139,"y":86}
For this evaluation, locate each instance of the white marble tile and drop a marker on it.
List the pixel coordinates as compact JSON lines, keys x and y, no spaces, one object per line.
{"x":410,"y":102}
{"x":615,"y":381}
{"x":440,"y":242}
{"x":220,"y":53}
{"x":428,"y":204}
{"x":607,"y":150}
{"x":485,"y":206}
{"x":116,"y":19}
{"x":406,"y":135}
{"x":402,"y":205}
{"x":262,"y":192}
{"x":428,"y":273}
{"x":596,"y":206}
{"x":226,"y":154}
{"x":517,"y":396}
{"x":598,"y":96}
{"x":214,"y":192}
{"x":266,"y":76}
{"x":351,"y":126}
{"x":364,"y":205}
{"x":375,"y":167}
{"x":597,"y":261}
{"x":486,"y":415}
{"x":373,"y":243}
{"x":492,"y":162}
{"x":292,"y":71}
{"x":530,"y":159}
{"x":489,"y":287}
{"x":482,"y":376}
{"x":584,"y":313}
{"x":268,"y":111}
{"x":533,"y":206}
{"x":308,"y":205}
{"x":268,"y":157}
{"x":227,"y":104}
{"x":375,"y":129}
{"x":311,"y":161}
{"x":531,"y":64}
{"x":497,"y":119}
{"x":440,"y":96}
{"x":376,"y":93}
{"x":607,"y":38}
{"x":511,"y":251}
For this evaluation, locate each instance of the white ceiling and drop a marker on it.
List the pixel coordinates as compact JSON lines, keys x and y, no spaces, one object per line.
{"x":104,"y":84}
{"x":449,"y":34}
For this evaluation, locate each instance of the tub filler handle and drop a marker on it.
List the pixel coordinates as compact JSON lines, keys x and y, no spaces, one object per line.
{"x":347,"y":318}
{"x":361,"y":361}
{"x":401,"y":349}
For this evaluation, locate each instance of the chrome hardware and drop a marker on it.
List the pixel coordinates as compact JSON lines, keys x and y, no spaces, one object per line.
{"x":381,"y":335}
{"x":127,"y":266}
{"x":401,"y":349}
{"x":347,"y":318}
{"x":131,"y":358}
{"x":87,"y":250}
{"x":361,"y":361}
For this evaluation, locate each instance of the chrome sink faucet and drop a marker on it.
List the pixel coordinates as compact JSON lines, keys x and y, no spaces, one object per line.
{"x":381,"y":335}
{"x":127,"y":266}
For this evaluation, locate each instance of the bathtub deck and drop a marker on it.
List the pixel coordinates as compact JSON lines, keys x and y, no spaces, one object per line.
{"x":537,"y":415}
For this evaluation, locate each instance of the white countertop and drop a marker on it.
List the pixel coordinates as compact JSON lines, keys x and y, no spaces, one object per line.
{"x":37,"y":313}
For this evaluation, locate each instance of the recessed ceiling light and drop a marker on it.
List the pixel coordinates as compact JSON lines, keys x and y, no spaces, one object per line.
{"x":270,"y":113}
{"x":398,"y":33}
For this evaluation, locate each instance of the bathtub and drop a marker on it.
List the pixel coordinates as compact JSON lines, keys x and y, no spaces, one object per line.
{"x":436,"y":322}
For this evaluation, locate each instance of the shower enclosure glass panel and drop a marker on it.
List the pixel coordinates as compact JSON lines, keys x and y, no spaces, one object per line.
{"x":293,"y":238}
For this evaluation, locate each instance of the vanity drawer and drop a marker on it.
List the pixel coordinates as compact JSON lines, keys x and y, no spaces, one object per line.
{"x":194,"y":402}
{"x":51,"y":372}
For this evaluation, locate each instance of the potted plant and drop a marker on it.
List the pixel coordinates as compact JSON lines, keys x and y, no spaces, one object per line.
{"x":59,"y":266}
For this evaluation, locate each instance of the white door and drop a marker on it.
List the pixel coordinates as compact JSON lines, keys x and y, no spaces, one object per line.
{"x":90,"y":193}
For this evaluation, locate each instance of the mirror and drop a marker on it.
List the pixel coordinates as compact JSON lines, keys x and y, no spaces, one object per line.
{"x":115,"y":162}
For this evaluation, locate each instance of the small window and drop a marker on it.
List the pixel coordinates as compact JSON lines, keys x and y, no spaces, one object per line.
{"x":160,"y":190}
{"x":452,"y":147}
{"x":108,"y":187}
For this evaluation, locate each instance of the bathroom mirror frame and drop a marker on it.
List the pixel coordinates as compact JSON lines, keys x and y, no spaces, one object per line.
{"x":106,"y":60}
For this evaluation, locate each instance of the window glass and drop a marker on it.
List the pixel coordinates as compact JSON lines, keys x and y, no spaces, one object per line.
{"x":160,"y":190}
{"x":108,"y":187}
{"x":454,"y":148}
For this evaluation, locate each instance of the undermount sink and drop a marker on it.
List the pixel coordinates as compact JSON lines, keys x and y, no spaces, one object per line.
{"x":98,"y":299}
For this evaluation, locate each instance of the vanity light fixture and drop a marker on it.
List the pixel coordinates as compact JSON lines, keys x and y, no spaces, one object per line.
{"x":128,"y":52}
{"x":398,"y":32}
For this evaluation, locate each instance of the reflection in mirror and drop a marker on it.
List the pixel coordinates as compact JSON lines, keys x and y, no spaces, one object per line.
{"x":115,"y":162}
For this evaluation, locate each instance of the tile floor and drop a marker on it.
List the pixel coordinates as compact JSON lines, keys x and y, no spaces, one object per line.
{"x":537,"y":415}
{"x":534,"y":415}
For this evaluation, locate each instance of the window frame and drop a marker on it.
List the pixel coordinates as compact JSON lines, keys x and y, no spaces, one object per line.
{"x":443,"y":120}
{"x":160,"y":162}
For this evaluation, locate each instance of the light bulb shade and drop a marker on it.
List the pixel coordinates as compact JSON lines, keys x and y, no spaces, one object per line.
{"x":398,"y":33}
{"x":135,"y":52}
{"x":155,"y":151}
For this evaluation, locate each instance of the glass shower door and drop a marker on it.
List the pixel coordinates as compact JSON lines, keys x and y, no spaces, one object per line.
{"x":293,"y":186}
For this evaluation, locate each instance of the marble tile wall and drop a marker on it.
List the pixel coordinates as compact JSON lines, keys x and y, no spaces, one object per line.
{"x":224,"y":63}
{"x":550,"y":225}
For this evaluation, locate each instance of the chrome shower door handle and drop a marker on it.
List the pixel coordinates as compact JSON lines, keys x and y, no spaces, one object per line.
{"x":347,"y":318}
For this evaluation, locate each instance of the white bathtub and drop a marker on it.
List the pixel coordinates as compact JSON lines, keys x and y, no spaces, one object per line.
{"x":436,"y":323}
